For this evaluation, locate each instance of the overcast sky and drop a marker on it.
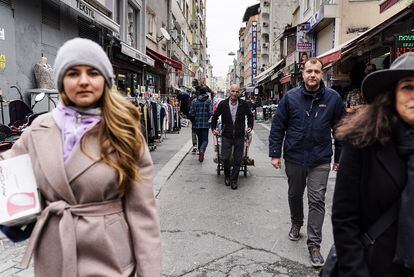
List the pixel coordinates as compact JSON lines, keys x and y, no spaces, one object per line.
{"x":224,"y":19}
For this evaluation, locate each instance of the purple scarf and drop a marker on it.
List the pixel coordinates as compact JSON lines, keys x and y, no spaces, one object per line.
{"x":74,"y":123}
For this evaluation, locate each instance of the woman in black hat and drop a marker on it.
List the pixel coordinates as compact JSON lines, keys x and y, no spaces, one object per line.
{"x":373,"y":205}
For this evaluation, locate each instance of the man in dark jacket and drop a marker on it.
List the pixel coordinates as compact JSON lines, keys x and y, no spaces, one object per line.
{"x":303,"y":122}
{"x":233,"y":113}
{"x":201,"y":110}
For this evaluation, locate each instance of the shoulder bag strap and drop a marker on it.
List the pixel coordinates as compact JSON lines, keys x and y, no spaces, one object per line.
{"x":380,"y":225}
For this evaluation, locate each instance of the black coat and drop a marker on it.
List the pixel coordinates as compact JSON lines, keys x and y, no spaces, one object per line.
{"x":369,"y":181}
{"x":230,"y":130}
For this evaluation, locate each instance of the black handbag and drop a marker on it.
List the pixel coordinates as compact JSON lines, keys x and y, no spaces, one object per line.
{"x":330,"y":269}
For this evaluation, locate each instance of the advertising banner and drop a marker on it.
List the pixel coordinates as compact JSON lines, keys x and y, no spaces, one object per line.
{"x":303,"y":43}
{"x":254,"y":51}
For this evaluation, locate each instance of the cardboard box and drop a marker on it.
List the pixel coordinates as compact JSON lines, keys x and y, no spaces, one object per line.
{"x":19,"y":196}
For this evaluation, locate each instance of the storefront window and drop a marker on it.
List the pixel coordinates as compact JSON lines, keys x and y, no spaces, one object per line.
{"x":132,"y":26}
{"x":128,"y":82}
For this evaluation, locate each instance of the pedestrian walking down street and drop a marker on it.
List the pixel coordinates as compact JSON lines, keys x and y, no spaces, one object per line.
{"x":376,"y":178}
{"x":193,"y":130}
{"x":200,"y":113}
{"x":233,"y":112}
{"x":95,"y":175}
{"x":303,"y":122}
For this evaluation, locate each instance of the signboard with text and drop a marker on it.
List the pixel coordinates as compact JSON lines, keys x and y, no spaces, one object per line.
{"x":254,"y":51}
{"x":404,"y":44}
{"x":303,"y":43}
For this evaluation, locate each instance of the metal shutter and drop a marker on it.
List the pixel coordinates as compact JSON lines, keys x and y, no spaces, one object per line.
{"x":89,"y":30}
{"x":5,"y":2}
{"x":51,"y":14}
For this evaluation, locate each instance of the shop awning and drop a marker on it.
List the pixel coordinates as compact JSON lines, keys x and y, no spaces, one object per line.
{"x":158,"y":56}
{"x":267,"y":73}
{"x":86,"y":10}
{"x":335,"y":54}
{"x":285,"y":79}
{"x":135,"y":54}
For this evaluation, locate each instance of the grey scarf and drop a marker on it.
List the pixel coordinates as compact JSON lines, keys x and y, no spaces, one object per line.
{"x":404,"y":253}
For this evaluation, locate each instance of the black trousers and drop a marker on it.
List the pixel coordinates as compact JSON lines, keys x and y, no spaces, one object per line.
{"x":227,"y":145}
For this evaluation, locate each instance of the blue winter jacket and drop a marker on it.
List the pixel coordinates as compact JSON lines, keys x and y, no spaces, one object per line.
{"x":201,"y":110}
{"x":303,"y":123}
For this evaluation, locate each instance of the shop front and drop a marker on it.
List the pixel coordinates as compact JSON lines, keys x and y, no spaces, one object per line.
{"x":130,"y":67}
{"x":347,"y":65}
{"x":160,"y":75}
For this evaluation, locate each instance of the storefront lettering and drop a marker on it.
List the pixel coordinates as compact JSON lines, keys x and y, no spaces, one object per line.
{"x":404,"y":43}
{"x":83,"y":7}
{"x":254,"y":51}
{"x":2,"y":61}
{"x":406,"y":37}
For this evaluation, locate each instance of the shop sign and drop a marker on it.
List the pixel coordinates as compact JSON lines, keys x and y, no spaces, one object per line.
{"x":92,"y":13}
{"x":404,"y":43}
{"x":254,"y":51}
{"x":135,"y":54}
{"x":316,"y":18}
{"x":2,"y":35}
{"x":2,"y":61}
{"x":259,"y":113}
{"x":303,"y":43}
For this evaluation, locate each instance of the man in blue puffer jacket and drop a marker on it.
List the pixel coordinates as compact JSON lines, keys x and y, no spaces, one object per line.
{"x":303,"y":123}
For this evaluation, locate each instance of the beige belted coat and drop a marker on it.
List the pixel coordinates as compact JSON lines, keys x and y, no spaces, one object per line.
{"x":88,"y":227}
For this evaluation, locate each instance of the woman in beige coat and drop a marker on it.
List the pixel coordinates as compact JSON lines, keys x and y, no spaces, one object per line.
{"x":95,"y":175}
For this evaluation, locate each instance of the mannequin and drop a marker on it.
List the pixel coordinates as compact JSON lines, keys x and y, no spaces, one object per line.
{"x":44,"y":74}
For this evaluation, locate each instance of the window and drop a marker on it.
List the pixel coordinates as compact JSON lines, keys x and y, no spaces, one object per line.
{"x":132,"y":26}
{"x":117,"y":11}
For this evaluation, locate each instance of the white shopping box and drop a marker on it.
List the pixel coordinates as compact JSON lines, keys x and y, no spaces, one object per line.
{"x":19,"y":196}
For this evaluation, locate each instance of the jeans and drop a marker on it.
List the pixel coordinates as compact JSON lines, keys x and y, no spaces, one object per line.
{"x":194,"y":136}
{"x":227,"y":145}
{"x":315,"y":179}
{"x":202,"y":135}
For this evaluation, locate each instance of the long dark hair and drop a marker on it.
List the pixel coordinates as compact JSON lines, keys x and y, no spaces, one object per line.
{"x":370,"y":124}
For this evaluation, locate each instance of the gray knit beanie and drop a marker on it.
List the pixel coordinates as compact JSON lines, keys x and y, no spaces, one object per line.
{"x":80,"y":51}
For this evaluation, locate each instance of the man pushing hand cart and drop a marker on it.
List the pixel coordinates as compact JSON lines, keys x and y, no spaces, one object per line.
{"x":233,"y":112}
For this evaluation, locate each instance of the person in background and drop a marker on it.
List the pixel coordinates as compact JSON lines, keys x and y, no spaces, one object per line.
{"x":233,"y":112}
{"x":100,"y":216}
{"x":376,"y":176}
{"x":194,"y":95}
{"x":200,"y":112}
{"x":184,"y":98}
{"x":303,"y":123}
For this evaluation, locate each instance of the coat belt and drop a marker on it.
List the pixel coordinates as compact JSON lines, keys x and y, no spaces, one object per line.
{"x":68,"y":216}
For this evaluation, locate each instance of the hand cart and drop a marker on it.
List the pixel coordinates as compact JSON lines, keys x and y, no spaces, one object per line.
{"x":246,"y":161}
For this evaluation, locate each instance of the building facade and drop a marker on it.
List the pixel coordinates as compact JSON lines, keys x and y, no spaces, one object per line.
{"x":151,"y":48}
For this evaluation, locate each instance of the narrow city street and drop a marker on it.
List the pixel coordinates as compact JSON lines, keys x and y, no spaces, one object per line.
{"x":209,"y":229}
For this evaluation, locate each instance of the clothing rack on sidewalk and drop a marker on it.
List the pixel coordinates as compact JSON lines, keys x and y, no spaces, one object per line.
{"x":158,"y":117}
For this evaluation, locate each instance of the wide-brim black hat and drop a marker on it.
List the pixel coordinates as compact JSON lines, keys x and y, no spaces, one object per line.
{"x":383,"y":81}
